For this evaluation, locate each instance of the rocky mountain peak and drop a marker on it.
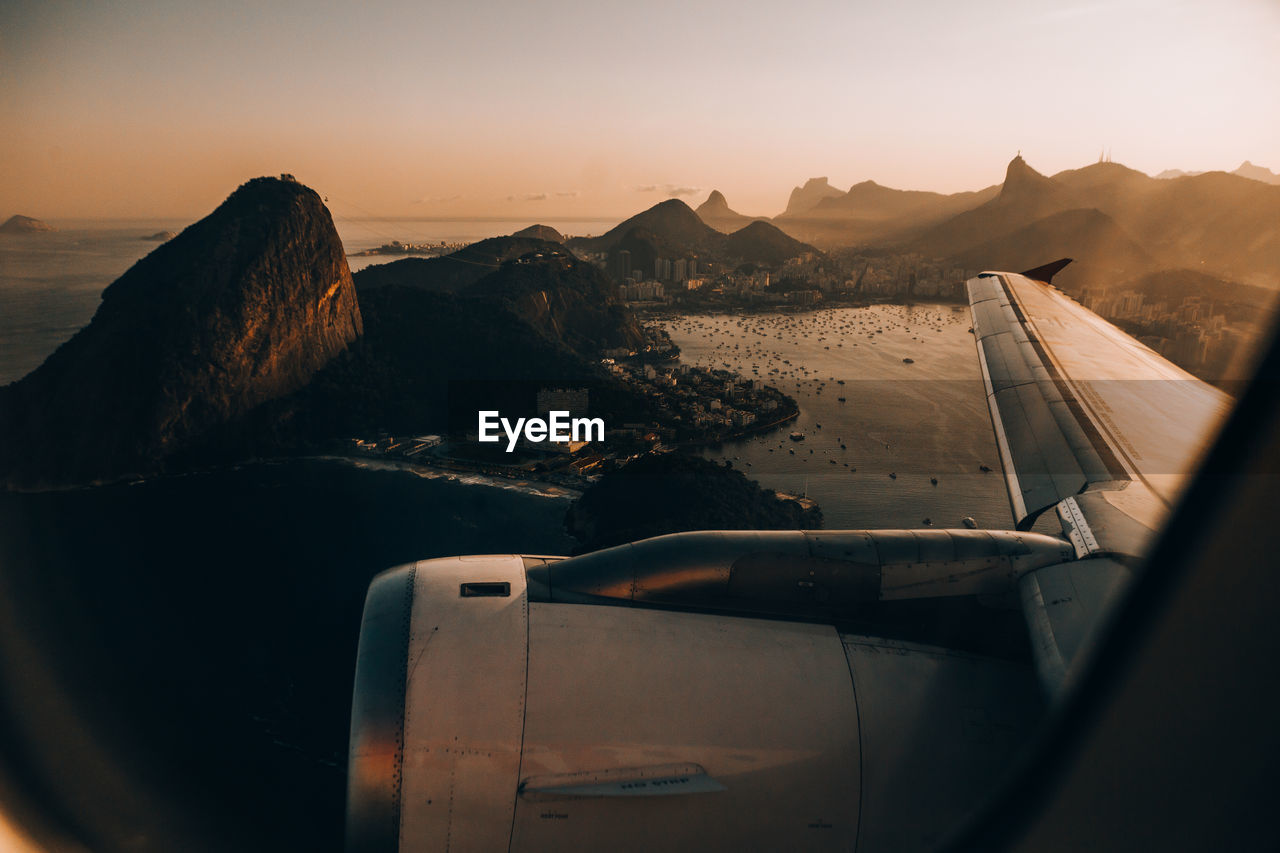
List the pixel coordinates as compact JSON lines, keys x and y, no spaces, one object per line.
{"x":805,"y":198}
{"x":242,"y":307}
{"x":1020,"y":179}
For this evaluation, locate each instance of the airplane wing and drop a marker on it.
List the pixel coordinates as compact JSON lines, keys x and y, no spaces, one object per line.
{"x":1094,"y":424}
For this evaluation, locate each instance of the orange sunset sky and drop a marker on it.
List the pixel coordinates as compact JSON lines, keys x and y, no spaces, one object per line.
{"x":570,"y":109}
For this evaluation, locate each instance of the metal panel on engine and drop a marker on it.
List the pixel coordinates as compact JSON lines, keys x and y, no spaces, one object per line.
{"x":464,"y":703}
{"x":939,"y":731}
{"x":764,"y":708}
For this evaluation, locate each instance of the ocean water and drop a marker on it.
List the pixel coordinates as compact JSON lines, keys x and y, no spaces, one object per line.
{"x":51,"y":283}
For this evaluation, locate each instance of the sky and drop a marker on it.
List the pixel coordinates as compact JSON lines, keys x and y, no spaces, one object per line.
{"x":569,"y":109}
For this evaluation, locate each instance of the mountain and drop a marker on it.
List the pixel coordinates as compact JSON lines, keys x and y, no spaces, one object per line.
{"x":567,"y":300}
{"x":1103,"y":251}
{"x":1025,"y":196}
{"x":1257,"y":173}
{"x":764,"y":243}
{"x":454,"y":271}
{"x":424,"y":355}
{"x":242,"y":307}
{"x":871,"y":213}
{"x":541,"y":232}
{"x":1107,"y":183}
{"x":1118,"y":223}
{"x":807,"y":197}
{"x":673,"y":230}
{"x":24,"y":225}
{"x":644,"y":248}
{"x":672,"y":222}
{"x":715,"y":211}
{"x":869,"y":200}
{"x":1244,"y":170}
{"x":429,"y":359}
{"x":1175,"y":285}
{"x":1218,"y":223}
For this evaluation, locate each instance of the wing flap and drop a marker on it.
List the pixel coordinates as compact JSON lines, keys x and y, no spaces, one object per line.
{"x":1040,"y":458}
{"x":1077,"y":404}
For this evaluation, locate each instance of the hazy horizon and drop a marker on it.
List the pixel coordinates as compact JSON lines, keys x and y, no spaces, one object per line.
{"x":569,"y":110}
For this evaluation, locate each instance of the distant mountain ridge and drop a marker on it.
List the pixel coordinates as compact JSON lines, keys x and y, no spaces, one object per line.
{"x":1119,"y":222}
{"x":715,"y":211}
{"x":671,"y":229}
{"x":873,"y":214}
{"x":1024,"y":196}
{"x":672,"y":222}
{"x":1244,"y":170}
{"x":805,"y":198}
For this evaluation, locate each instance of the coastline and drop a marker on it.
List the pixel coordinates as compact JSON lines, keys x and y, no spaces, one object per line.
{"x":532,"y":484}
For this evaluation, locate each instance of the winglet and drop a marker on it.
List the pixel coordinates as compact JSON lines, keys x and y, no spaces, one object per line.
{"x":1046,"y":272}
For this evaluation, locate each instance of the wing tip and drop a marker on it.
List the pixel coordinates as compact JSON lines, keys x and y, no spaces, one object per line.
{"x":1046,"y":272}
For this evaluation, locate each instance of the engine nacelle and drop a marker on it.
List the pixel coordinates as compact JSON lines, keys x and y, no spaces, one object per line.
{"x":483,"y":720}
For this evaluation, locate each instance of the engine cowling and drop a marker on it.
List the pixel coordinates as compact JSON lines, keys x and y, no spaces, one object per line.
{"x":484,"y":720}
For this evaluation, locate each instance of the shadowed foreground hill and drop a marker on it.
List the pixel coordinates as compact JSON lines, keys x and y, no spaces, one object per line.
{"x":663,"y":493}
{"x":568,"y":300}
{"x":428,"y":360}
{"x":242,"y":307}
{"x":418,"y":350}
{"x":1104,"y":252}
{"x":541,"y":232}
{"x":763,"y":243}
